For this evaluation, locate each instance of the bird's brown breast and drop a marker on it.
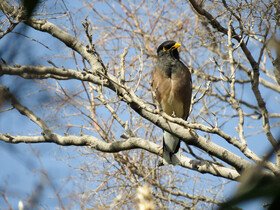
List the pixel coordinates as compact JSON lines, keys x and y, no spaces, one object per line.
{"x":173,"y":91}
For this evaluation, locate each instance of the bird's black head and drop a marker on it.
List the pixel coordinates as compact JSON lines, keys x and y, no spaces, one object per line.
{"x":169,"y":47}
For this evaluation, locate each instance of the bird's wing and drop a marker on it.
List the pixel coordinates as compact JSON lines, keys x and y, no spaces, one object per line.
{"x":182,"y":89}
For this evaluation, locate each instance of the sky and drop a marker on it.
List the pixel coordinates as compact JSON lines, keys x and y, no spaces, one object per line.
{"x":22,"y":165}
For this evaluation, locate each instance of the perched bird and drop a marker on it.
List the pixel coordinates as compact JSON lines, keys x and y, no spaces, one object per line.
{"x":172,"y":85}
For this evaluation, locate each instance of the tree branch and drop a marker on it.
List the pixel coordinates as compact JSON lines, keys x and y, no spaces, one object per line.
{"x":255,"y":67}
{"x":174,"y":125}
{"x":101,"y":77}
{"x":118,"y":146}
{"x":25,"y":111}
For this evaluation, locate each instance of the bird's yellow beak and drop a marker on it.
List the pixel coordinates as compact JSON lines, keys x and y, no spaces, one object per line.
{"x":175,"y":46}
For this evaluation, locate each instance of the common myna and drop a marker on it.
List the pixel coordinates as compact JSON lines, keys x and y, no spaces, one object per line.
{"x":172,"y":84}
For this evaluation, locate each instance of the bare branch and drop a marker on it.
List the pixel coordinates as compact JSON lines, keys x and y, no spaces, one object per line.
{"x":117,"y":146}
{"x":253,"y":63}
{"x":25,"y":111}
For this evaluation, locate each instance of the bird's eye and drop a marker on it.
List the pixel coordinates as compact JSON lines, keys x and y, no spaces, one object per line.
{"x":167,"y":48}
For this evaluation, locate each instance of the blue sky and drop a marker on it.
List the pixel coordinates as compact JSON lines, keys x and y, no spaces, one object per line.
{"x":21,"y":170}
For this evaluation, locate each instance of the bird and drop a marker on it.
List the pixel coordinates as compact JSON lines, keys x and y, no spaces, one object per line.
{"x":172,"y":88}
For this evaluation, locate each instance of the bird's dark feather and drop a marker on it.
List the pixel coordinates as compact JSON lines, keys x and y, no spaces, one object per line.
{"x":171,"y":81}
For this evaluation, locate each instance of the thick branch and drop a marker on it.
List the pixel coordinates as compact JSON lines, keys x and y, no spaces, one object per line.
{"x":174,"y":125}
{"x":117,"y":146}
{"x":66,"y":38}
{"x":125,"y":93}
{"x":44,"y":72}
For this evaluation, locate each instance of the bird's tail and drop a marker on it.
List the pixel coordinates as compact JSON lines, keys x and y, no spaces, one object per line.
{"x":171,"y":145}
